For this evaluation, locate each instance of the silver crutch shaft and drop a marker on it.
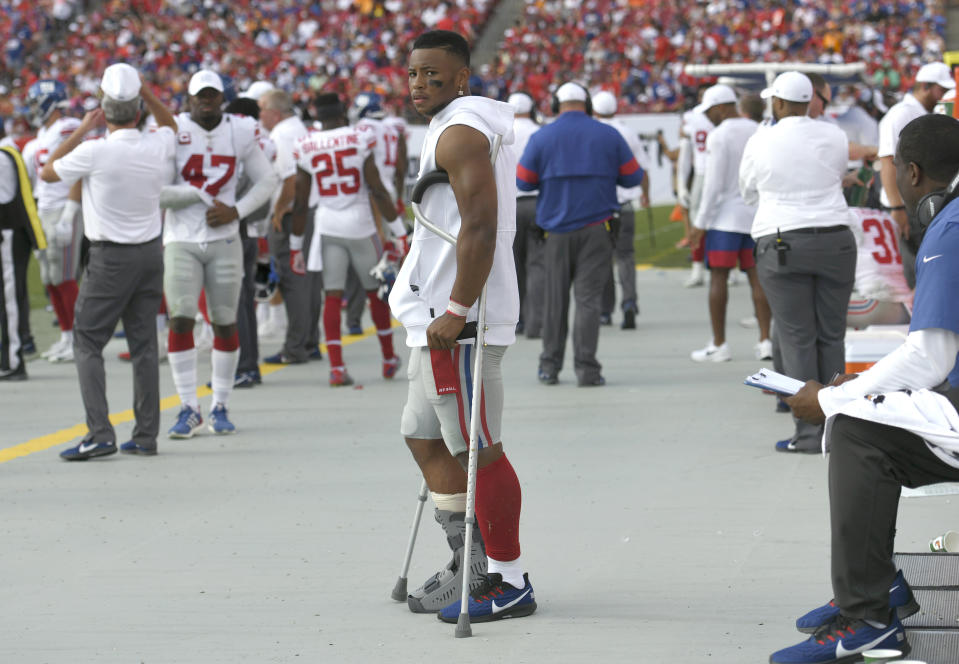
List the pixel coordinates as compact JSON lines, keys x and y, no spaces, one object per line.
{"x":399,"y":590}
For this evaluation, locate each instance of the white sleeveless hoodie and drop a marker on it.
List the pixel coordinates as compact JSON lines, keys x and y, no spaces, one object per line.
{"x":422,"y":289}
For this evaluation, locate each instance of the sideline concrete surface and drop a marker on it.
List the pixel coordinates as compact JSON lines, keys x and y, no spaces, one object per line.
{"x":658,"y":523}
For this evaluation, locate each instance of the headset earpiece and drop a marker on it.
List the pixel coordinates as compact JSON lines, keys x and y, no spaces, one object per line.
{"x":932,"y":204}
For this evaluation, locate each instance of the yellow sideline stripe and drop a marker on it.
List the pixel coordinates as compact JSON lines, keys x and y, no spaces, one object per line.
{"x":62,"y":436}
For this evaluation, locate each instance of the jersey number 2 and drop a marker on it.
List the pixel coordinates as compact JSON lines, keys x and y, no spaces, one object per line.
{"x":328,"y":165}
{"x":193,"y":172}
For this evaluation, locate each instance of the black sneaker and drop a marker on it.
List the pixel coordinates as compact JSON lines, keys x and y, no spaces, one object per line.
{"x":131,"y":447}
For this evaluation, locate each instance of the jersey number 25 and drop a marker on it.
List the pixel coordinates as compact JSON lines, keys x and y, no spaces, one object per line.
{"x":325,"y":165}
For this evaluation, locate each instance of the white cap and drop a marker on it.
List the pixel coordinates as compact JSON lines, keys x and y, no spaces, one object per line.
{"x":604,"y":103}
{"x":717,"y":95}
{"x":938,"y":73}
{"x":571,"y":92}
{"x":120,"y":82}
{"x":790,"y":86}
{"x":204,"y":79}
{"x":521,"y":102}
{"x":257,"y":89}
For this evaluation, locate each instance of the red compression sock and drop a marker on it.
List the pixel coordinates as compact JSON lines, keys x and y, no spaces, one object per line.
{"x":498,"y":503}
{"x":68,"y":296}
{"x":380,"y":313}
{"x":331,"y":328}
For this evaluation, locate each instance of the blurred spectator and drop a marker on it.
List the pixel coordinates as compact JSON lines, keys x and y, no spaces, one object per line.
{"x":637,"y":50}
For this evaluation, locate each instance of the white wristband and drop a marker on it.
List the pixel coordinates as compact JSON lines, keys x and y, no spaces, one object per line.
{"x":457,"y":309}
{"x":296,"y":242}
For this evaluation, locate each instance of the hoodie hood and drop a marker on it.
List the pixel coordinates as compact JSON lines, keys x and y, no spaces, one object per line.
{"x":495,"y":114}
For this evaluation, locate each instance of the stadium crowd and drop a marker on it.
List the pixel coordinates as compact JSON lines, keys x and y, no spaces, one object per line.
{"x":597,"y":42}
{"x":347,"y":46}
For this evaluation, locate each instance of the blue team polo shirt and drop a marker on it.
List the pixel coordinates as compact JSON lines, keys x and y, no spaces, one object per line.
{"x":936,"y":303}
{"x":576,"y":163}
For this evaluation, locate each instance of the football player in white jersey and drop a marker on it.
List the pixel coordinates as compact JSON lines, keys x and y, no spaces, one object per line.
{"x":58,"y":213}
{"x":201,"y":238}
{"x":340,"y":160}
{"x":696,"y":127}
{"x":881,"y":295}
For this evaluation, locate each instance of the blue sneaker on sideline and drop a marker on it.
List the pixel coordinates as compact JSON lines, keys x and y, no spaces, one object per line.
{"x":900,"y":598}
{"x":88,"y":449}
{"x":130,"y":447}
{"x":187,"y":423}
{"x":219,"y":422}
{"x":494,"y":599}
{"x":355,"y":330}
{"x":844,"y":640}
{"x":244,"y":379}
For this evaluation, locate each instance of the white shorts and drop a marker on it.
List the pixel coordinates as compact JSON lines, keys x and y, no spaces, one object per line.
{"x":217,"y":267}
{"x":439,"y":398}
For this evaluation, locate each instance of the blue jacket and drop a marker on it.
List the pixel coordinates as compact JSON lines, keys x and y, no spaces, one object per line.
{"x":576,"y":163}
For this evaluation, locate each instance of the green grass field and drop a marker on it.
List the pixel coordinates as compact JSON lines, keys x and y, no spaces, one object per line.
{"x":658,"y":248}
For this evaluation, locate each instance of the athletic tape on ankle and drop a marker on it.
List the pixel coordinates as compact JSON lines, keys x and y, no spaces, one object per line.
{"x":449,"y":502}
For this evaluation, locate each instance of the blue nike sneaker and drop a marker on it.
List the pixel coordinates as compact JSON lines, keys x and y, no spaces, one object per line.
{"x":88,"y":449}
{"x":219,"y":422}
{"x":494,"y":599}
{"x":187,"y":422}
{"x":844,"y":640}
{"x":900,"y":598}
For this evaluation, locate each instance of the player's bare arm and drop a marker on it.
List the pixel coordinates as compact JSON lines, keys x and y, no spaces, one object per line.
{"x":301,"y":201}
{"x":463,"y":153}
{"x":381,"y":198}
{"x":399,"y":175}
{"x":91,"y":120}
{"x":887,"y":175}
{"x":161,"y":113}
{"x":283,"y":202}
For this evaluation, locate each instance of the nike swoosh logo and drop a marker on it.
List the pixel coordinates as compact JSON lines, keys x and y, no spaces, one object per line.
{"x":497,"y":608}
{"x":842,"y":652}
{"x":926,"y":259}
{"x":86,"y":447}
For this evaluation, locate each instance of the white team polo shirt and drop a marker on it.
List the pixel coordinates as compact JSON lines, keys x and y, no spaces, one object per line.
{"x":794,"y":171}
{"x":892,"y":124}
{"x":122,"y":177}
{"x":721,"y":207}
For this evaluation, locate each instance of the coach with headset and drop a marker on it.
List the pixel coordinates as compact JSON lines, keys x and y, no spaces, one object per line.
{"x":576,"y":163}
{"x":900,"y":434}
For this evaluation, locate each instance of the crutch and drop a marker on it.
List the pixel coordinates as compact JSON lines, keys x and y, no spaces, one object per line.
{"x":436,"y":177}
{"x":652,"y":229}
{"x":399,"y":590}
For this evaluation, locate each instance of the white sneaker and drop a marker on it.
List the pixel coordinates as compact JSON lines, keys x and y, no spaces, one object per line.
{"x":271,"y":328}
{"x":712,"y":353}
{"x":751,"y":322}
{"x":65,"y":354}
{"x":55,"y":349}
{"x":735,"y":278}
{"x":764,"y":350}
{"x":697,"y":277}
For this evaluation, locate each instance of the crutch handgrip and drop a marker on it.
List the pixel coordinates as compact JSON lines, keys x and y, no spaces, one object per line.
{"x":427,"y":181}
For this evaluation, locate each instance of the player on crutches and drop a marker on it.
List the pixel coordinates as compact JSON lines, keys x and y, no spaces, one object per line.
{"x":436,"y":296}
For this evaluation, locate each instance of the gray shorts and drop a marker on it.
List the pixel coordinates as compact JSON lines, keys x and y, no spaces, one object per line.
{"x":339,"y":253}
{"x":431,"y":416}
{"x":60,"y":260}
{"x":216,"y":267}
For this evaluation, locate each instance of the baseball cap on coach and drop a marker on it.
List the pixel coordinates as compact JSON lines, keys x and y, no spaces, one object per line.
{"x":257,"y":89}
{"x":604,"y":103}
{"x":790,"y":86}
{"x":120,"y":82}
{"x":204,"y":79}
{"x":521,"y":102}
{"x":571,"y":92}
{"x":938,"y":73}
{"x":717,"y":95}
